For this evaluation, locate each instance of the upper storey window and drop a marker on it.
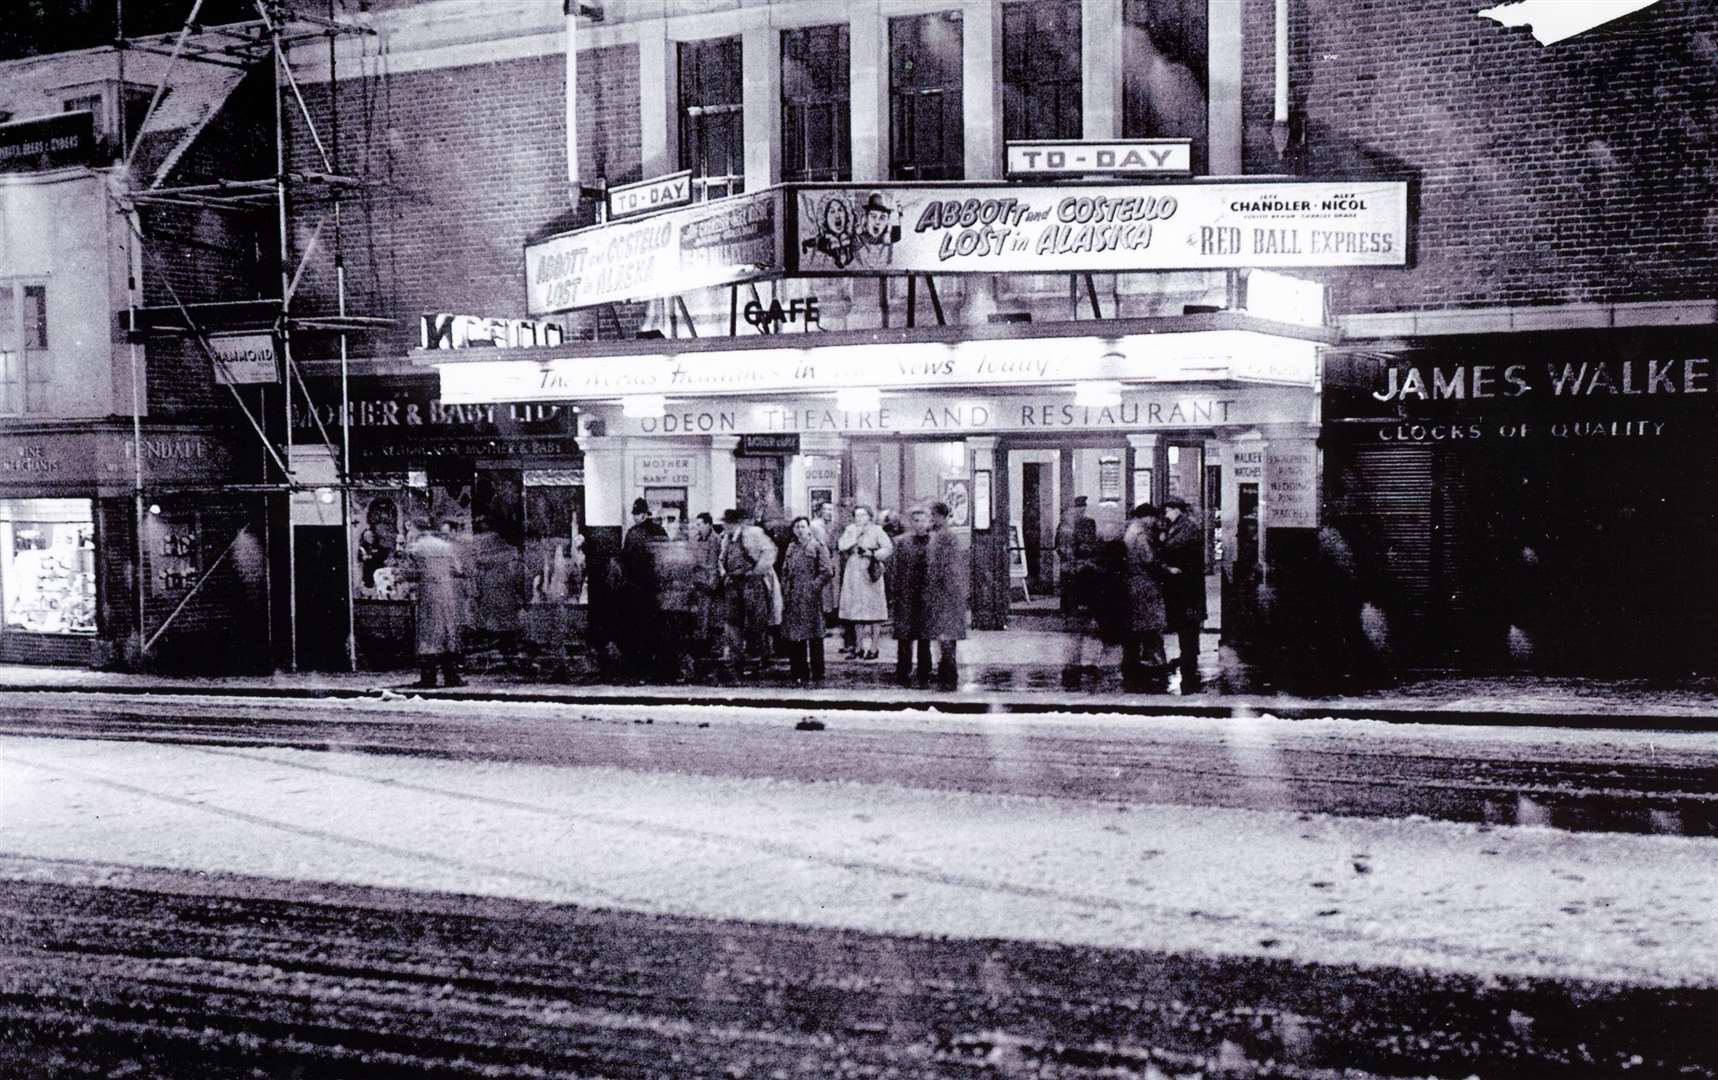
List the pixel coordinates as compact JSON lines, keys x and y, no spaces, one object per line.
{"x":1165,"y":72}
{"x":814,"y":115}
{"x":925,"y":134}
{"x":712,"y":131}
{"x":1041,"y":69}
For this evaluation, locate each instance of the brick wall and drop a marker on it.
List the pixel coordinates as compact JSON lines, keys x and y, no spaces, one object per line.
{"x":477,"y":161}
{"x":1580,"y":172}
{"x":206,"y":255}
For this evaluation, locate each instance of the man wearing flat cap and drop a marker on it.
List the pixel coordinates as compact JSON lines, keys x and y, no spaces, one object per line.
{"x":638,"y":576}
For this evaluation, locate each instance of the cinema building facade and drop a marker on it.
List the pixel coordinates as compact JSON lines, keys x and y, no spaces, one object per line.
{"x":812,"y":253}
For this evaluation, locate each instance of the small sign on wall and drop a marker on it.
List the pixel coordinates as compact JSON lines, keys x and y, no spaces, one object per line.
{"x":1291,"y":486}
{"x":244,"y":360}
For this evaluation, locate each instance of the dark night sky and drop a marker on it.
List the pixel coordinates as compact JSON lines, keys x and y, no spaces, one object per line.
{"x":32,"y":27}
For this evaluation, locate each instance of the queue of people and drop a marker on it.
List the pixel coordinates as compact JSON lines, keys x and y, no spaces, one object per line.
{"x":1131,"y":590}
{"x":783,"y":594}
{"x":739,"y":597}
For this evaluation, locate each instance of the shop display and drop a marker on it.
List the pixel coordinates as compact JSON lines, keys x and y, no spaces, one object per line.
{"x":49,"y":571}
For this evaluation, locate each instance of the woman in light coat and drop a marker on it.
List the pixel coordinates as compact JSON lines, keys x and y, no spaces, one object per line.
{"x":864,"y":596}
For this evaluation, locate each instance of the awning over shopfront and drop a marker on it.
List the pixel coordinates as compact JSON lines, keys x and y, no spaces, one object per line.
{"x":1216,"y":348}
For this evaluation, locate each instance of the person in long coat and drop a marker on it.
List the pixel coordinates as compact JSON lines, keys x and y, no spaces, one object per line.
{"x":907,"y":579}
{"x":436,"y":568}
{"x":823,"y":527}
{"x":747,"y":559}
{"x":1142,"y":665}
{"x":947,"y":579}
{"x":1182,"y":552}
{"x":806,"y":567}
{"x":864,"y":597}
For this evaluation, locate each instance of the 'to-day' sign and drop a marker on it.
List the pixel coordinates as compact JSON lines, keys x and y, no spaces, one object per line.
{"x":1017,"y":228}
{"x":663,"y":192}
{"x":691,"y":248}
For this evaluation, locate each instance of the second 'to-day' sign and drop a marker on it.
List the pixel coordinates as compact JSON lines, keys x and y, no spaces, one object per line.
{"x":1013,"y":228}
{"x":695,"y":247}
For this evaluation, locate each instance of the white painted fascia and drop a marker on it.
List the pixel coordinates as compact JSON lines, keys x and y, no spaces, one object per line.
{"x":1502,"y":320}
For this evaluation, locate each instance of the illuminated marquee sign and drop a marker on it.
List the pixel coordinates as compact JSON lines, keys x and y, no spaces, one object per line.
{"x":1197,"y":356}
{"x":694,"y":247}
{"x":473,"y":332}
{"x":1032,"y":229}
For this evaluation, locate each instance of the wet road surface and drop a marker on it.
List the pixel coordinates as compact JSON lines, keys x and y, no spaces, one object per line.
{"x":111,"y":972}
{"x":1575,"y":781}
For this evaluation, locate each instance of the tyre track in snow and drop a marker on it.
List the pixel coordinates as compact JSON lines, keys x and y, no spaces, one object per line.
{"x":1215,"y":763}
{"x":115,"y":971}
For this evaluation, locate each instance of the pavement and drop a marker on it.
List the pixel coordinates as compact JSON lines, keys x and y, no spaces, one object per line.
{"x":1014,"y":672}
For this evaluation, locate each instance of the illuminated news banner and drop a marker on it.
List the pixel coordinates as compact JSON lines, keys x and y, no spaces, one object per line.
{"x":694,"y":247}
{"x":1025,"y":228}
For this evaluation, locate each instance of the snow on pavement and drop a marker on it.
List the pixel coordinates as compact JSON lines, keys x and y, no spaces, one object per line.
{"x":1469,"y":899}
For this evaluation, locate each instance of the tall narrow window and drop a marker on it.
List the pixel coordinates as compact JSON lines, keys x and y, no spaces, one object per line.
{"x":23,"y":349}
{"x":1165,"y":72}
{"x":712,"y":132}
{"x":11,"y":354}
{"x":814,"y":90}
{"x":1041,"y":69}
{"x":925,"y":134}
{"x":33,"y":319}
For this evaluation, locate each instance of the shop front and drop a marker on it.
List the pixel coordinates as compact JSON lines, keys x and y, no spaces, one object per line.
{"x":507,"y":478}
{"x":1006,"y":429}
{"x":1530,"y":501}
{"x":91,"y":575}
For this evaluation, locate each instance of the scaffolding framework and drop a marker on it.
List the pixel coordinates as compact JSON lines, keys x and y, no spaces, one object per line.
{"x":281,"y":27}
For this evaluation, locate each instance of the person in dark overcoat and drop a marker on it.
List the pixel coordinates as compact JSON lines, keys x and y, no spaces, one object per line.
{"x":806,"y":566}
{"x":747,"y":558}
{"x":1142,"y":665}
{"x":907,"y":577}
{"x":435,"y":565}
{"x":947,"y":580}
{"x":1182,"y":553}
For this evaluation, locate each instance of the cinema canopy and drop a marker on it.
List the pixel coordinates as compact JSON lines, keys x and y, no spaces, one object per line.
{"x":1000,"y":347}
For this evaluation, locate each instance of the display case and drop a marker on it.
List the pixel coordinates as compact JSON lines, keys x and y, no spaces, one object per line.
{"x":47,"y":566}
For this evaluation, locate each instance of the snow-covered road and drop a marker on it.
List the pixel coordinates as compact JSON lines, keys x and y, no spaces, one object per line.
{"x":1461,"y":898}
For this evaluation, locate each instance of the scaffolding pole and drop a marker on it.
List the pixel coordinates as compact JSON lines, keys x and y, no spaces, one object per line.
{"x":280,"y":162}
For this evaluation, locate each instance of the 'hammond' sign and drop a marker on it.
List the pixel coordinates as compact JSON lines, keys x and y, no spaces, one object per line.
{"x":1014,"y":228}
{"x":244,"y":360}
{"x":694,"y":247}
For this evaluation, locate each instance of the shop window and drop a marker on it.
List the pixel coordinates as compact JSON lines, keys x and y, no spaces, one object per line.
{"x":1165,"y":72}
{"x":23,"y":349}
{"x":926,"y":140}
{"x":814,"y":113}
{"x":47,"y":565}
{"x":1041,"y":69}
{"x":712,"y":129}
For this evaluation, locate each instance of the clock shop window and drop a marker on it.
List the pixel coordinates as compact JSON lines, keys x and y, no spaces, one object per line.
{"x":23,"y":348}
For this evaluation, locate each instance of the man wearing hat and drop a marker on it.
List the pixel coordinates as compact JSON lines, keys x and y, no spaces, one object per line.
{"x":747,"y":558}
{"x":1182,"y":555}
{"x":1065,"y":530}
{"x":638,"y":589}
